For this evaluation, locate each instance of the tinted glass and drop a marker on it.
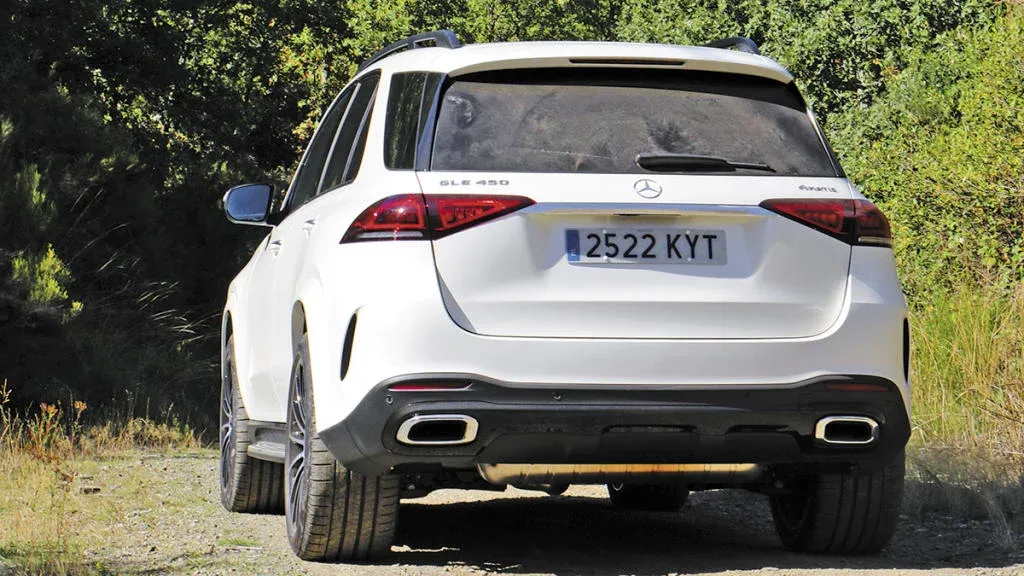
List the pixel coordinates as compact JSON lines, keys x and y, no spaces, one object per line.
{"x":342,"y":154}
{"x":403,"y":117}
{"x":356,"y":158}
{"x":599,"y":121}
{"x":308,"y":176}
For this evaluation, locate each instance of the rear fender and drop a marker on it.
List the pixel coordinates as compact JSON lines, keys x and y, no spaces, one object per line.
{"x":239,"y":329}
{"x":323,"y":352}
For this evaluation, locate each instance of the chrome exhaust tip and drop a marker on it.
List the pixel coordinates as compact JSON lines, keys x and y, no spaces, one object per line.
{"x":438,"y":430}
{"x":847,"y":430}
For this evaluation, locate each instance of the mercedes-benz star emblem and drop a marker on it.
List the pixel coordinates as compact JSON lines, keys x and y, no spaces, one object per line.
{"x":647,"y":188}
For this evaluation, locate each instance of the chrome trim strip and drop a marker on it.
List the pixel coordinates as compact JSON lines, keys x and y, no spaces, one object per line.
{"x":468,"y":435}
{"x":641,"y":208}
{"x":821,"y":427}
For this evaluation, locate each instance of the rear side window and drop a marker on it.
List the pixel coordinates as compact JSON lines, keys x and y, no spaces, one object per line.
{"x":599,"y":121}
{"x":308,"y":175}
{"x":347,"y":153}
{"x":403,"y":120}
{"x":409,"y":104}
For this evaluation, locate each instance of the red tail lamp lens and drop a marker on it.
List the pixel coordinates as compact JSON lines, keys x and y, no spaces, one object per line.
{"x":856,"y":222}
{"x":872,"y":225}
{"x":450,"y":213}
{"x":411,"y":217}
{"x":402,"y":217}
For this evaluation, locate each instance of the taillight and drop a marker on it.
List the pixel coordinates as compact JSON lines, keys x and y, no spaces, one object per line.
{"x":402,"y":217}
{"x":856,"y":222}
{"x":451,"y":213}
{"x":413,"y":217}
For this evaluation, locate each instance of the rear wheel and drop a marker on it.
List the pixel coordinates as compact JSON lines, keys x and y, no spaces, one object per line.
{"x":332,"y":514}
{"x":246,"y":484}
{"x":841,"y":513}
{"x":654,"y":497}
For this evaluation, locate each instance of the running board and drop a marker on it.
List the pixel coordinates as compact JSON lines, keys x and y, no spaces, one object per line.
{"x":268,"y":440}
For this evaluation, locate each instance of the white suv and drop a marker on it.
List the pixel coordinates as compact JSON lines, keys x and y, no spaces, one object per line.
{"x":543,"y":264}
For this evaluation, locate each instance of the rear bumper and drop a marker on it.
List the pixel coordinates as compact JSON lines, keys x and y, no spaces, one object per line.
{"x":615,"y":425}
{"x":403,"y":328}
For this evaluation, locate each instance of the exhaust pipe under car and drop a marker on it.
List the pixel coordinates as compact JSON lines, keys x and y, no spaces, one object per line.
{"x":438,"y":430}
{"x":847,"y":430}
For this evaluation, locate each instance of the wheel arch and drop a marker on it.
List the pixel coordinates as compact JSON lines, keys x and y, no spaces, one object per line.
{"x":233,"y":324}
{"x":298,"y":324}
{"x":311,"y":318}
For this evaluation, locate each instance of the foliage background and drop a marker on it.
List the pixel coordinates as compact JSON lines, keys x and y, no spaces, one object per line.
{"x":122,"y":122}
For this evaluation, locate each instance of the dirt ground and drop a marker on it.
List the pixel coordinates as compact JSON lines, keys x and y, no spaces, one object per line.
{"x":183,"y":530}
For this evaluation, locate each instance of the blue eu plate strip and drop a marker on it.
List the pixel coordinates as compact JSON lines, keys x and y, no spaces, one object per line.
{"x":572,"y":245}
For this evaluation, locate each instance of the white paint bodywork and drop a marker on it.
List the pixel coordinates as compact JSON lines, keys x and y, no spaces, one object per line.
{"x":767,"y":319}
{"x":511,"y":277}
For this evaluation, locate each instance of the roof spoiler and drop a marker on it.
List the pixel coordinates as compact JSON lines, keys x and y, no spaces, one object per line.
{"x":437,"y":38}
{"x":740,"y":43}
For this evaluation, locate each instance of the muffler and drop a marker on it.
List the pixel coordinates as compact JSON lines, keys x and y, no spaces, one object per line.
{"x":556,"y":474}
{"x":438,"y":430}
{"x":846,"y":430}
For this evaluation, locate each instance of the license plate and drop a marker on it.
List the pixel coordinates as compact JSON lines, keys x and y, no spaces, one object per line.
{"x":645,"y":246}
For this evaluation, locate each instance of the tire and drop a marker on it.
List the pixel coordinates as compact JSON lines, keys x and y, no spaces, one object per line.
{"x":332,"y":514}
{"x":841,"y":513}
{"x":246,"y":484}
{"x":651,"y":497}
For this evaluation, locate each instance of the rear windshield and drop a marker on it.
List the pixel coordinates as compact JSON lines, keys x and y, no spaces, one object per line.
{"x":599,"y":121}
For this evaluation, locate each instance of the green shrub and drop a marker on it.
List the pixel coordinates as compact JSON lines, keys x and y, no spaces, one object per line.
{"x":942,"y":152}
{"x":841,"y":51}
{"x":42,"y":277}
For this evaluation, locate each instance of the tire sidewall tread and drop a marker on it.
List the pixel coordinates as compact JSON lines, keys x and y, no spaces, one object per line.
{"x":847,"y":513}
{"x":349,"y":517}
{"x":256,"y":486}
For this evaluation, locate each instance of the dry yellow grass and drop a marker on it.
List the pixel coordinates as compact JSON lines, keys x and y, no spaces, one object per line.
{"x":968,"y":371}
{"x":48,"y":507}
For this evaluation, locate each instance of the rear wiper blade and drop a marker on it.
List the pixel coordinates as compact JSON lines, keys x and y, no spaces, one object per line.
{"x":662,"y":162}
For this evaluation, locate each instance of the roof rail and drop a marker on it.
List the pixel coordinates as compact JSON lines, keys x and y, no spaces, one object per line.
{"x":439,"y":38}
{"x":741,"y":43}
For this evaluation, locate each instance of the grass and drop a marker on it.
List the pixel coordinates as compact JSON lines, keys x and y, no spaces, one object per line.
{"x":966,"y":484}
{"x":237,"y":541}
{"x":968,"y":371}
{"x":47,"y":460}
{"x":966,"y":458}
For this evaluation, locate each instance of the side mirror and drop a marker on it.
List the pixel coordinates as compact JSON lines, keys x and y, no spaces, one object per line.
{"x":249,"y":204}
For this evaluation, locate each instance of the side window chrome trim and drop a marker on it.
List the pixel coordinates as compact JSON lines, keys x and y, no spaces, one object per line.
{"x":368,"y":83}
{"x":360,"y":141}
{"x":334,"y":141}
{"x":431,"y":102}
{"x":286,"y":206}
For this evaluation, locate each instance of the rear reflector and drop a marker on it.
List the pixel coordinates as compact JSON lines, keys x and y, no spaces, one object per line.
{"x":415,"y":217}
{"x":429,"y":387}
{"x":856,"y":222}
{"x":855,"y":387}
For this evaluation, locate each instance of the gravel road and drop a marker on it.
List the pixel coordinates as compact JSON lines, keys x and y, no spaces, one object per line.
{"x":518,"y":532}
